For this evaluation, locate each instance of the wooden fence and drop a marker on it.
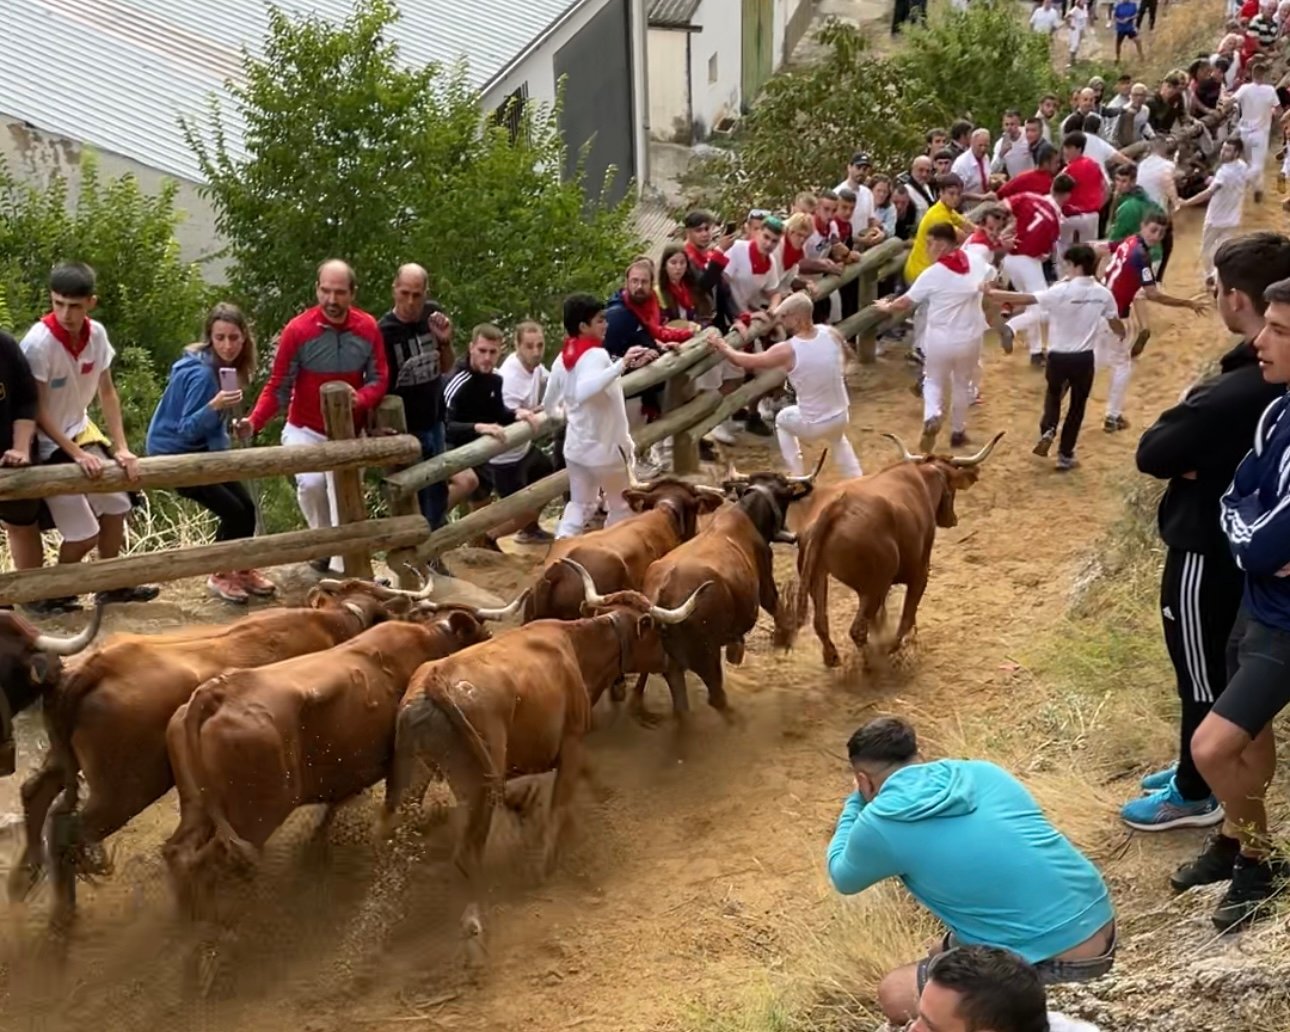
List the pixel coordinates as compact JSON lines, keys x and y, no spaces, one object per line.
{"x":402,"y":534}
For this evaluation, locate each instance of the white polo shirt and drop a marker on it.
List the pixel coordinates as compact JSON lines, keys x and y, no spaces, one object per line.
{"x":73,"y":382}
{"x":751,"y":290}
{"x":1078,"y":310}
{"x":521,"y":389}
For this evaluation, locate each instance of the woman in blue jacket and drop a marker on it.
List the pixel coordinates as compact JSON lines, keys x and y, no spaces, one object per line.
{"x":193,"y":415}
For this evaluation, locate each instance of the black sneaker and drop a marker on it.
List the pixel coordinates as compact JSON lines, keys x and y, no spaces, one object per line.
{"x":1139,"y":343}
{"x":1213,"y":864}
{"x":54,"y":606}
{"x":707,"y":450}
{"x":1254,"y":884}
{"x":139,"y":593}
{"x":1044,"y":444}
{"x":958,"y":438}
{"x":1005,"y":338}
{"x":757,"y":425}
{"x":320,"y":565}
{"x":1037,"y":360}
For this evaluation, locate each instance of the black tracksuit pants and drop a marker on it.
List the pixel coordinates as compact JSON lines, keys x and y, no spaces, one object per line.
{"x":1073,"y":369}
{"x":1199,"y":598}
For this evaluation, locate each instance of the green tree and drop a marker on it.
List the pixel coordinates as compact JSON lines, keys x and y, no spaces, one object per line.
{"x":350,"y":153}
{"x":151,"y":302}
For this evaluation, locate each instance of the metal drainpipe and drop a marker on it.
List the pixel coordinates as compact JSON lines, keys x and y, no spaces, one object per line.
{"x":689,"y":84}
{"x":640,"y":91}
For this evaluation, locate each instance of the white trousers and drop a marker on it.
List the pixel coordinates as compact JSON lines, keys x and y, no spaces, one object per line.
{"x":315,"y":492}
{"x":1077,"y":229}
{"x":1256,"y":155}
{"x":1112,"y":353}
{"x":77,"y":516}
{"x":585,"y":485}
{"x":1027,"y":277}
{"x":791,"y":428}
{"x":920,"y":328}
{"x":950,"y":365}
{"x":1210,"y":239}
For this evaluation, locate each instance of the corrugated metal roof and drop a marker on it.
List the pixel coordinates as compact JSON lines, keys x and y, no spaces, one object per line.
{"x":117,"y":74}
{"x":670,"y":14}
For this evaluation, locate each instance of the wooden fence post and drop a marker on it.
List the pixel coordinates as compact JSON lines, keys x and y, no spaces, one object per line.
{"x":685,"y":446}
{"x":338,"y":414}
{"x":390,"y":415}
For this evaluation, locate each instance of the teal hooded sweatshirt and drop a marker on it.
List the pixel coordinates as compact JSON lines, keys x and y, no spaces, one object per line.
{"x":972,"y":845}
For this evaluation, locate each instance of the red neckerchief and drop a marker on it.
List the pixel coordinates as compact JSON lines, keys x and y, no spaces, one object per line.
{"x":74,"y":347}
{"x":760,"y":262}
{"x":980,"y":236}
{"x":680,"y":294}
{"x":700,"y":258}
{"x":791,"y":254}
{"x":575,"y":347}
{"x":648,"y":313}
{"x":825,"y":230}
{"x":955,"y":261}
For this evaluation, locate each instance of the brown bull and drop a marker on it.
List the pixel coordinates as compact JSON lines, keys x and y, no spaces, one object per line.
{"x":520,"y":705}
{"x":733,"y":552}
{"x":617,"y":557}
{"x":250,"y":746}
{"x":877,"y":531}
{"x":109,"y":719}
{"x":31,"y":666}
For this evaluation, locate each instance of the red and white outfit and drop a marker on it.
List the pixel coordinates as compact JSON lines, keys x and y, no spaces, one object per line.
{"x":818,"y":247}
{"x":1127,"y":273}
{"x":70,"y":370}
{"x":1257,"y":102}
{"x":822,"y":407}
{"x":951,"y":290}
{"x":1038,"y":228}
{"x":974,"y":171}
{"x":584,"y":383}
{"x":1085,"y":202}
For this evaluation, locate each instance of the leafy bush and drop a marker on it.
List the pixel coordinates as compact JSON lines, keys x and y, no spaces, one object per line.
{"x":351,"y":154}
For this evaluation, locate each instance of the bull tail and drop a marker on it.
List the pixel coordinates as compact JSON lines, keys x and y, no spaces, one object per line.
{"x":61,"y":705}
{"x":810,"y":559}
{"x":225,"y":841}
{"x":433,"y":725}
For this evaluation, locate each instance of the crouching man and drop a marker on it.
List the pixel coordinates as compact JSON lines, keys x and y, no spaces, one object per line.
{"x":973,"y":847}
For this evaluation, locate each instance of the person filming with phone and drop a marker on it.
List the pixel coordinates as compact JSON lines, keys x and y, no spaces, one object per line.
{"x":202,"y":396}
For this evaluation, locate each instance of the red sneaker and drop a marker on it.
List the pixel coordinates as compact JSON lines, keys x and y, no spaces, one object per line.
{"x":227,"y":587}
{"x":256,"y":583}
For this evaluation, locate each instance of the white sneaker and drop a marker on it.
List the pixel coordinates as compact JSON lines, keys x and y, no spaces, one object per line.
{"x":724,"y":433}
{"x":646,"y":470}
{"x":660,"y":455}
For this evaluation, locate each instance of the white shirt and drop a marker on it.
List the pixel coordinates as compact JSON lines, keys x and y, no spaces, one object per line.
{"x":521,"y":389}
{"x":1078,"y":18}
{"x":1257,"y":101}
{"x":818,"y":245}
{"x":968,"y":168}
{"x":953,"y":300}
{"x":1233,"y":72}
{"x":1099,"y":150}
{"x":1061,"y":1023}
{"x":864,"y":207}
{"x":1077,"y":311}
{"x":1224,"y":210}
{"x":1045,"y":19}
{"x":750,"y":290}
{"x":1016,"y":161}
{"x":72,"y":382}
{"x":817,"y":375}
{"x":591,"y":395}
{"x":1154,"y":172}
{"x":916,"y":198}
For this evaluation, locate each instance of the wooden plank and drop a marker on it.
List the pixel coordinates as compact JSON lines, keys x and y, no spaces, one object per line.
{"x":390,"y":415}
{"x":150,"y":567}
{"x":347,"y":484}
{"x":761,"y":384}
{"x":201,"y":468}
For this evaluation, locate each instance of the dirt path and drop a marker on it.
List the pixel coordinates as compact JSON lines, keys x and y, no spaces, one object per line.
{"x":696,"y":880}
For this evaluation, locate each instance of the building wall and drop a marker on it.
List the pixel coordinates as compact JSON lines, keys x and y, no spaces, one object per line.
{"x":784,"y":16}
{"x":37,"y":157}
{"x":714,"y":98}
{"x":669,"y":96}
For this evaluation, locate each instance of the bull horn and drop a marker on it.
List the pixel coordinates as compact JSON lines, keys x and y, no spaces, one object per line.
{"x":734,"y":474}
{"x":967,"y":461}
{"x":593,"y":597}
{"x":785,"y":537}
{"x":505,"y":612}
{"x":705,"y":489}
{"x":632,"y":482}
{"x":54,"y":645}
{"x":906,"y":454}
{"x":681,"y":612}
{"x":811,"y":479}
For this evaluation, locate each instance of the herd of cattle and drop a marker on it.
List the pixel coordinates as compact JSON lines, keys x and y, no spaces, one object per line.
{"x":291,"y":707}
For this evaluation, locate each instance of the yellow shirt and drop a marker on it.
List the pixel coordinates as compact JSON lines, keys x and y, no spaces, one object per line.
{"x":918,"y":259}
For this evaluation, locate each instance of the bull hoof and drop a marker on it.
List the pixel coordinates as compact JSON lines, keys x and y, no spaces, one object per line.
{"x":91,"y":860}
{"x":735,"y":653}
{"x":733,"y":717}
{"x":23,"y":879}
{"x":831,"y":657}
{"x":618,"y":691}
{"x":645,"y":718}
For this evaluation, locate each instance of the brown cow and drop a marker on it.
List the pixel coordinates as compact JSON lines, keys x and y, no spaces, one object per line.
{"x":520,"y":705}
{"x":877,"y":531}
{"x":250,"y":746}
{"x":617,"y":557}
{"x":732,"y":551}
{"x":30,"y":668}
{"x":109,"y":718}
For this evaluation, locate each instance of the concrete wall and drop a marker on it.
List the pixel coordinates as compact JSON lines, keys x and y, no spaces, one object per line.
{"x":37,"y":157}
{"x":722,"y":38}
{"x":536,"y":67}
{"x":669,"y":93}
{"x":784,"y":40}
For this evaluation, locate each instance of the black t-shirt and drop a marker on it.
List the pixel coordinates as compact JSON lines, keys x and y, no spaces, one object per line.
{"x":17,"y":389}
{"x":413,"y":357}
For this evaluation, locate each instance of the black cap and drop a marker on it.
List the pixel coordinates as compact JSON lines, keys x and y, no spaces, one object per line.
{"x":699,"y":219}
{"x":860,"y":158}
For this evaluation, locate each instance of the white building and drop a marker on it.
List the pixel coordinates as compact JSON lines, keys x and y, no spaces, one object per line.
{"x":116,"y":75}
{"x":708,"y":59}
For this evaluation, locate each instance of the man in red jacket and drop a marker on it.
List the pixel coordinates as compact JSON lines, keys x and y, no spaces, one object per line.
{"x":333,"y":341}
{"x":1086,"y":199}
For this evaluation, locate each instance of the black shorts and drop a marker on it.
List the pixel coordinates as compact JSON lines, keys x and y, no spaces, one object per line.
{"x":506,"y":478}
{"x":22,"y":513}
{"x":1258,"y":675}
{"x":1128,"y":34}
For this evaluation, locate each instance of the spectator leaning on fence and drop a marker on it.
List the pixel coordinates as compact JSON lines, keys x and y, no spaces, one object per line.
{"x":192,"y":417}
{"x":477,"y":408}
{"x":71,"y":358}
{"x":331,"y":342}
{"x":18,"y":403}
{"x":418,"y":351}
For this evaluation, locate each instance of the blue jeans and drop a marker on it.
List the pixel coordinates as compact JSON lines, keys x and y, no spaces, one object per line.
{"x":433,"y":499}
